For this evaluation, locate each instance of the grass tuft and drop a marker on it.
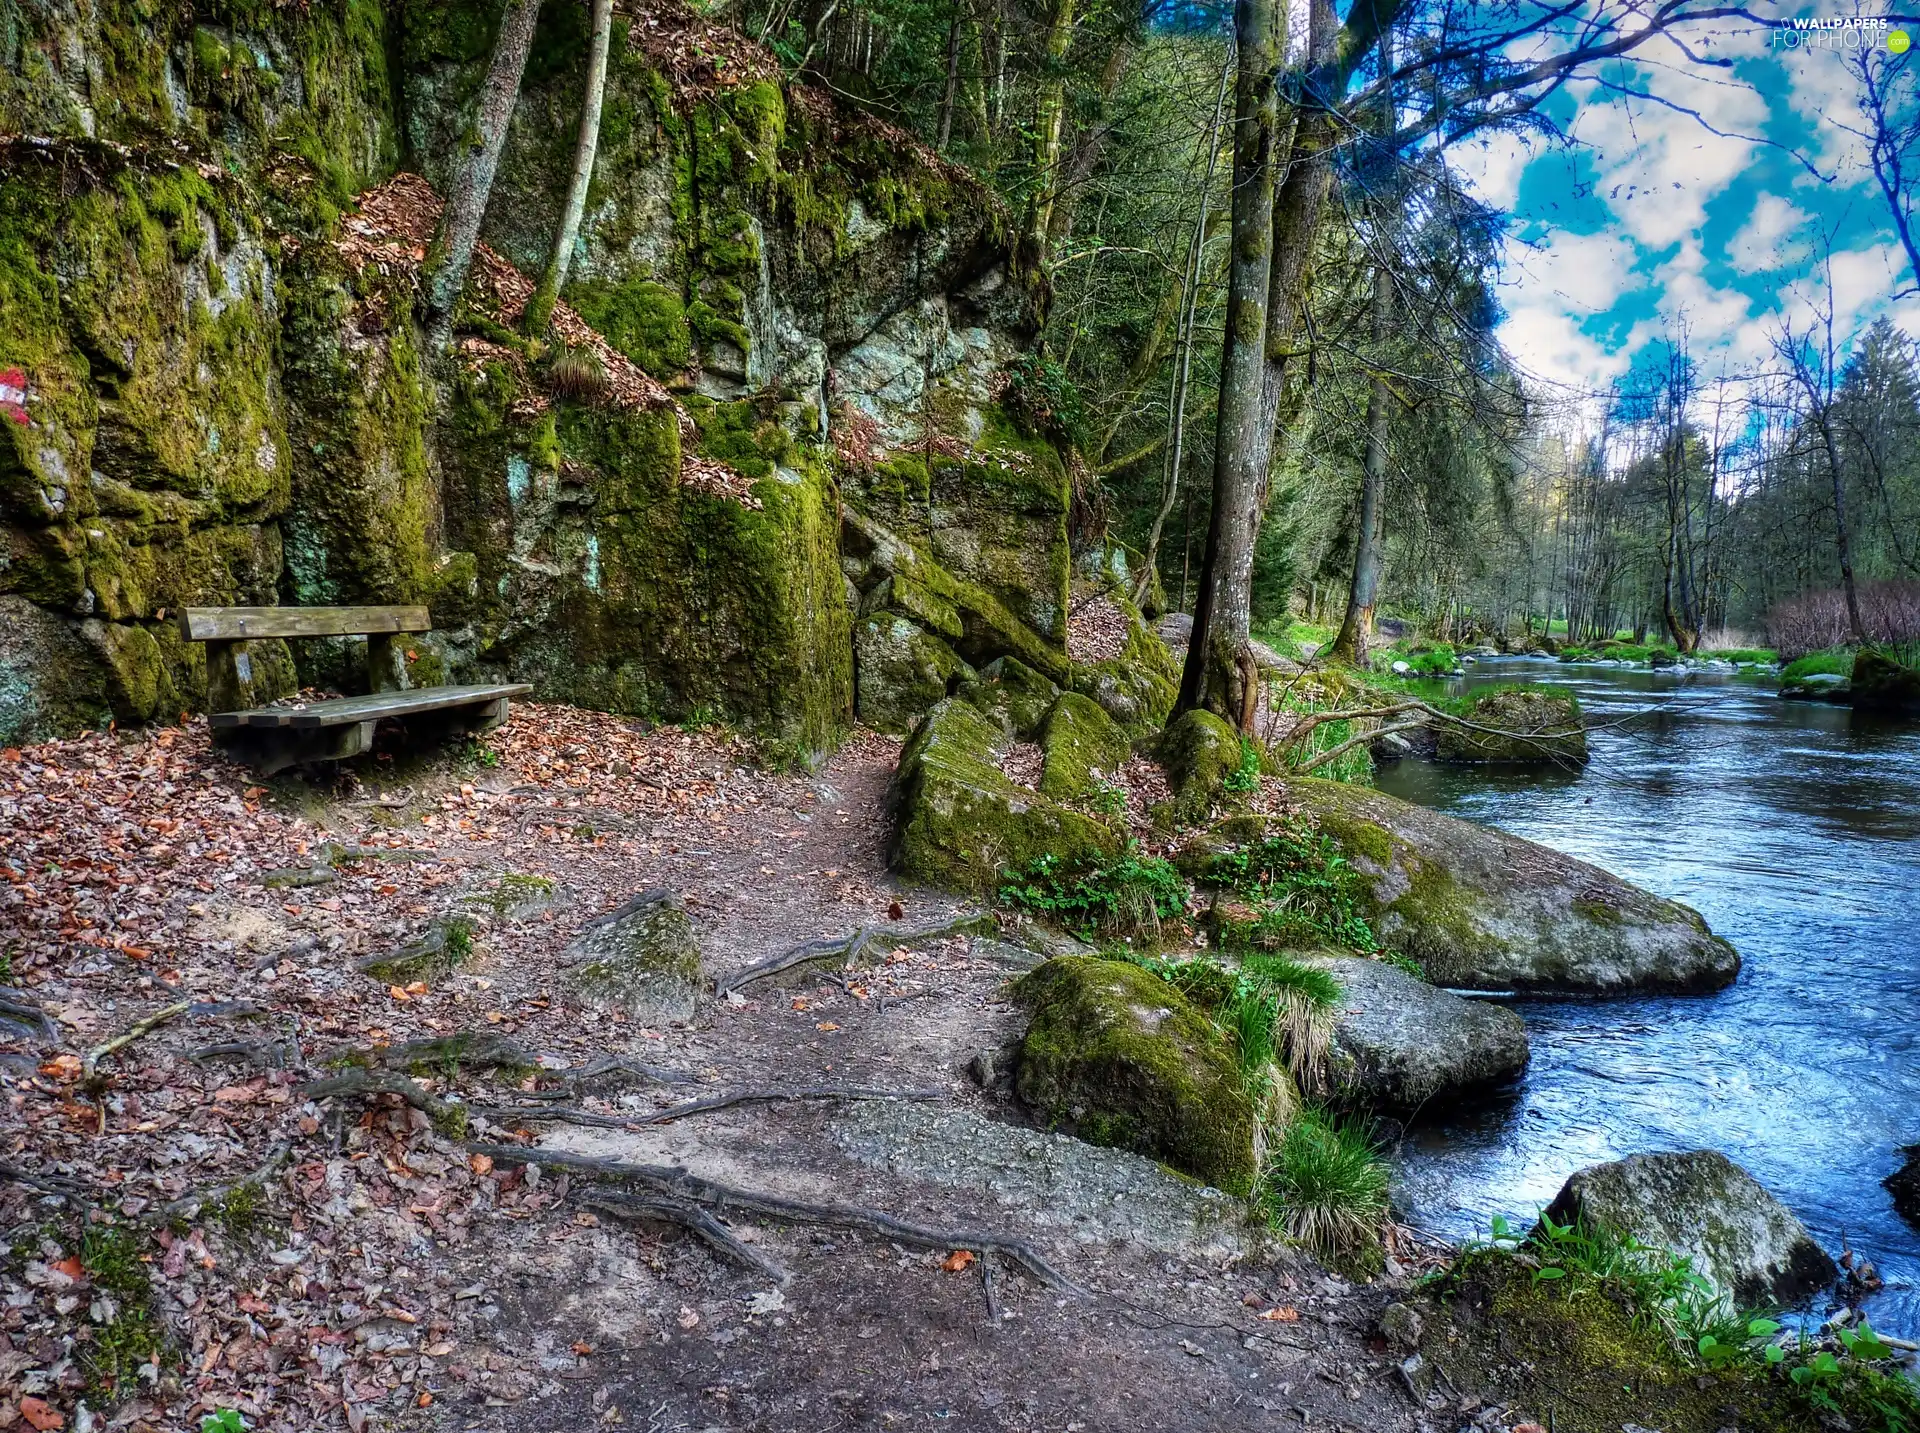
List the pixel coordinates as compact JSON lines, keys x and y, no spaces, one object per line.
{"x":1326,"y":1187}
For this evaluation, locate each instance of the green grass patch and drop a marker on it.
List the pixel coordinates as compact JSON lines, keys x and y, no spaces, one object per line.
{"x":1326,"y":1188}
{"x":132,"y":1335}
{"x":1834,"y":661}
{"x":1744,"y":656}
{"x":1303,"y":886}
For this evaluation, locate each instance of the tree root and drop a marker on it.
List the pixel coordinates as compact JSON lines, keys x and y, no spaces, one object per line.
{"x":446,"y":1116}
{"x":698,"y":1222}
{"x":471,"y":1049}
{"x":189,"y":1205}
{"x":91,"y":1062}
{"x":17,"y":1010}
{"x":274,"y":1054}
{"x":771,"y":1096}
{"x":683,"y":1185}
{"x":57,"y":1185}
{"x":848,"y":948}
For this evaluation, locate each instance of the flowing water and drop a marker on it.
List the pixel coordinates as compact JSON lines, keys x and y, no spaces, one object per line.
{"x":1794,"y":827}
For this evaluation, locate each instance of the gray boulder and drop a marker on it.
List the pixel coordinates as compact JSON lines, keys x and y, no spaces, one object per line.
{"x":1483,"y":910}
{"x":1703,"y":1205}
{"x":900,"y":670}
{"x":1400,"y":1043}
{"x":641,"y":958}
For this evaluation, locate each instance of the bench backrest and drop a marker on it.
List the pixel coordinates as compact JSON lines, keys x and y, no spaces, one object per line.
{"x":230,"y":678}
{"x":241,"y":624}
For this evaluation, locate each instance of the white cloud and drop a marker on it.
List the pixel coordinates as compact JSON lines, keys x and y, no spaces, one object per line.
{"x":1492,"y":167}
{"x":1776,"y":236}
{"x":1658,"y":168}
{"x":1549,"y":347}
{"x":1571,"y":271}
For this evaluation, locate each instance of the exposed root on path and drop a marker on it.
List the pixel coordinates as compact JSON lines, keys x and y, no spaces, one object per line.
{"x":693,"y":1188}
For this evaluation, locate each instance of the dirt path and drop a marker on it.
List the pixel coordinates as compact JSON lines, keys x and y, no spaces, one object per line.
{"x":392,"y":1280}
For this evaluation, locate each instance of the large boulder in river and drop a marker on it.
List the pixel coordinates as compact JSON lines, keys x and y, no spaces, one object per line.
{"x":1516,"y":726}
{"x":1400,"y":1043}
{"x":1703,"y":1205}
{"x":1880,"y":683}
{"x":1904,"y":1185}
{"x":641,"y":959}
{"x":1117,"y":1056}
{"x":1483,"y":910}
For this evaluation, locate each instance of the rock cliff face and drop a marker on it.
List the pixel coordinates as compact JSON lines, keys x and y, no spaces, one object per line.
{"x":794,"y":442}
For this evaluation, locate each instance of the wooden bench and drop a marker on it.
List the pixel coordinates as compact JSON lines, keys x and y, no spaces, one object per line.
{"x":274,"y":738}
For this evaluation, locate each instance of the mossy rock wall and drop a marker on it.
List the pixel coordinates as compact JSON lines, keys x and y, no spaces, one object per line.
{"x":1484,"y":910}
{"x":219,"y":408}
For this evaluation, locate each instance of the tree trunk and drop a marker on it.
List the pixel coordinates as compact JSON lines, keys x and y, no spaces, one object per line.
{"x":951,"y":93}
{"x":540,"y":306}
{"x":1841,"y":539}
{"x":1183,"y":363}
{"x":1356,"y":630}
{"x":1212,"y":675}
{"x":451,"y":252}
{"x":1049,"y":122}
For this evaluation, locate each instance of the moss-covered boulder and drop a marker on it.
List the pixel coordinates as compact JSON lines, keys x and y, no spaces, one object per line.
{"x":1013,"y":694}
{"x":1701,"y":1204}
{"x":1403,"y":1044}
{"x":1137,"y":688}
{"x":1083,"y":746}
{"x":959,"y":821}
{"x":1117,"y":1056}
{"x":1199,"y":752}
{"x":1530,"y":726}
{"x":900,"y":670}
{"x":1484,"y":910}
{"x":1884,"y":684}
{"x":641,"y":959}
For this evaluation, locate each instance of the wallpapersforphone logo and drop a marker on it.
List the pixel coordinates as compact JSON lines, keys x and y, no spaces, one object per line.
{"x":1844,"y":33}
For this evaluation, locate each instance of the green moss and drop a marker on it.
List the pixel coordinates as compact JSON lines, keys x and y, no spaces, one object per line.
{"x":962,"y":821}
{"x":1199,"y":752}
{"x":1082,"y":747}
{"x":1580,"y":1361}
{"x":1118,"y":1056}
{"x":643,"y":319}
{"x":111,"y":1255}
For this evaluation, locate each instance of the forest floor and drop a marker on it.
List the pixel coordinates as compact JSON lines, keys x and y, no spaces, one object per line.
{"x":393,"y":1277}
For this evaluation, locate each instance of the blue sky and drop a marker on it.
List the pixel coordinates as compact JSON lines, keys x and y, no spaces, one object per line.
{"x":1643,"y":220}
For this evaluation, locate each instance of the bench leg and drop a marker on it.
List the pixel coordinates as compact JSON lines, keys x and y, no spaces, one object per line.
{"x":273,"y":749}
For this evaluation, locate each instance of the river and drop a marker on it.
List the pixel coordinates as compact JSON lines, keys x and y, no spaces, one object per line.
{"x":1794,"y":827}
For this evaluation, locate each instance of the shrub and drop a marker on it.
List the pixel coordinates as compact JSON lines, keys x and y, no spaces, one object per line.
{"x":1890,"y":611}
{"x":1123,"y":895}
{"x":1042,"y":399}
{"x":1326,"y":1187}
{"x":1303,"y":886}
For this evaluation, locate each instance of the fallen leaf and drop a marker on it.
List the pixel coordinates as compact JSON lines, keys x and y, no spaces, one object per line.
{"x":582,"y":1348}
{"x":71,"y":1268}
{"x":1528,"y":1428}
{"x":826,"y":1025}
{"x":957,"y":1260}
{"x":481,"y":1164}
{"x":65,"y":1068}
{"x":42,"y":1417}
{"x":689,"y":1317}
{"x":419,"y":987}
{"x":398,"y":994}
{"x":896,"y":911}
{"x":1281,"y":1315}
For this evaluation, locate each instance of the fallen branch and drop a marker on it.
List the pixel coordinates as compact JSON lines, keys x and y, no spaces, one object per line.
{"x":55,"y":1184}
{"x":119,"y":1042}
{"x":696,"y":1221}
{"x":479,"y":1050}
{"x":681,"y":1184}
{"x":376,"y":1082}
{"x":274,"y":1054}
{"x":1332,"y":752}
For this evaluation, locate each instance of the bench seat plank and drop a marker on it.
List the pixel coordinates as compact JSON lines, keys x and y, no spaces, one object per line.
{"x":343,"y":710}
{"x":240,"y":624}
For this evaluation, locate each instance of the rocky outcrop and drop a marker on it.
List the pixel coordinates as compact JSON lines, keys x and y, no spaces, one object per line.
{"x":1483,"y":910}
{"x":1703,"y":1205}
{"x":1904,"y":1184}
{"x":641,"y":959}
{"x":1516,"y":726}
{"x":1402,"y":1044}
{"x":960,"y":821}
{"x":1118,"y":1057}
{"x":227,"y":401}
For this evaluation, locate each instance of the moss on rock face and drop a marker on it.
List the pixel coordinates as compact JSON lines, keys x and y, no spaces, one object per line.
{"x":1881,"y":683}
{"x":1117,"y":1056}
{"x":1013,"y":694}
{"x":900,"y":671}
{"x":1481,"y":909}
{"x":1082,"y":746}
{"x":1138,"y":687}
{"x":959,"y":822}
{"x":642,"y":959}
{"x":1199,"y":752}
